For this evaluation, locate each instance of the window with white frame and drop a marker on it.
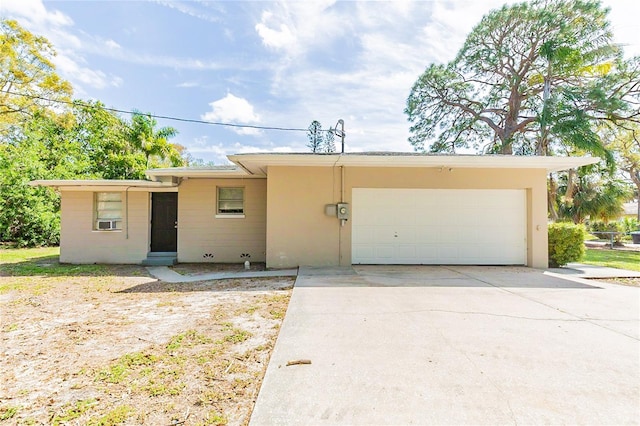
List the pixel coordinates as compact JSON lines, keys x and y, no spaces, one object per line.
{"x":107,"y":211}
{"x":230,"y":201}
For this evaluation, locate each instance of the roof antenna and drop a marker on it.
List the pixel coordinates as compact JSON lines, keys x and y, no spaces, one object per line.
{"x":340,"y":133}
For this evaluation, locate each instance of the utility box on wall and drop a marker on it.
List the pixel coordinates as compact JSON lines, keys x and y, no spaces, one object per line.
{"x":331,"y":210}
{"x":340,"y":210}
{"x":343,"y":211}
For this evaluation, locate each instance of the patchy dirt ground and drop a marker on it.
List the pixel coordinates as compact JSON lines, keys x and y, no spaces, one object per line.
{"x":633,"y":282}
{"x":123,"y":348}
{"x":205,"y":268}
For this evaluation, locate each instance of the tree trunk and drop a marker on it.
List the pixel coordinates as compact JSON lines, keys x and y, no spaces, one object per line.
{"x":543,"y":142}
{"x":506,"y":149}
{"x":571,"y":185}
{"x":551,"y":197}
{"x":635,"y":177}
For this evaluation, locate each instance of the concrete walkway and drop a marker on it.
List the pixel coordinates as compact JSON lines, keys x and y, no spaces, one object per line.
{"x":165,"y":274}
{"x":453,"y":345}
{"x":580,"y":270}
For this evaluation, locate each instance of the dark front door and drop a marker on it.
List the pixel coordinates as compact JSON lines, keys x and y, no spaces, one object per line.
{"x":164,"y":221}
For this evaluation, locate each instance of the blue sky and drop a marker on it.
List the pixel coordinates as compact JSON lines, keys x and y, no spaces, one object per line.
{"x":264,"y":63}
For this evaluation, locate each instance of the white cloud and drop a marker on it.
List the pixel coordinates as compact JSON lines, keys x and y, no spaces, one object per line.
{"x":83,"y":75}
{"x":58,"y":28}
{"x":391,"y":44}
{"x":626,"y":25}
{"x":218,"y":152}
{"x":234,"y":110}
{"x":35,"y":12}
{"x":189,"y":8}
{"x":111,"y":44}
{"x":187,"y":84}
{"x":294,"y":27}
{"x":282,"y":37}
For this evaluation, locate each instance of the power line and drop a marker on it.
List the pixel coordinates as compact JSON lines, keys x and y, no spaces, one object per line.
{"x":164,"y":117}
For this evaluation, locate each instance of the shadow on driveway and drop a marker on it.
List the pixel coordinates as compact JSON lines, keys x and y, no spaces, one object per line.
{"x":434,"y":276}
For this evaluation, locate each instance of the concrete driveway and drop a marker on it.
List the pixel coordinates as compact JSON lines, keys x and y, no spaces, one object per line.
{"x":454,"y":345}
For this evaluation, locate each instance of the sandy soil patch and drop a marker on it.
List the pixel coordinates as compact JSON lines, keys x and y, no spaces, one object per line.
{"x":633,"y":282}
{"x":127,"y":349}
{"x":205,"y":268}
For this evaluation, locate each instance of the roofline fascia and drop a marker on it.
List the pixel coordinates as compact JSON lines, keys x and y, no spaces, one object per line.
{"x":200,"y":173}
{"x":61,"y":183}
{"x":355,"y":160}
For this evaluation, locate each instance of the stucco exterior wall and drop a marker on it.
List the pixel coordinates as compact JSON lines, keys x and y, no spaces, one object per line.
{"x":204,"y":238}
{"x":80,"y":243}
{"x":299,"y":232}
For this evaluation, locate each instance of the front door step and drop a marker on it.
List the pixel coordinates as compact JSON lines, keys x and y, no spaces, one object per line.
{"x":161,"y":259}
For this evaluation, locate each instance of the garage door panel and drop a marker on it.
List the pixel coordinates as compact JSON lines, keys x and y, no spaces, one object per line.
{"x":364,"y":219}
{"x":362,"y":251}
{"x":426,"y":226}
{"x":404,"y":235}
{"x":470,"y":251}
{"x":384,"y":252}
{"x":383,"y":235}
{"x":367,"y":235}
{"x":449,"y":251}
{"x":427,"y":252}
{"x":467,"y":220}
{"x":405,"y":251}
{"x":426,"y":204}
{"x":426,"y":233}
{"x":405,"y":220}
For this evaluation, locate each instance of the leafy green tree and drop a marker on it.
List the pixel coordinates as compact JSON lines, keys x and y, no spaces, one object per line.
{"x":152,"y":142}
{"x":625,"y":143}
{"x":591,"y":193}
{"x":29,"y":216}
{"x":529,"y":76}
{"x":75,"y":140}
{"x":104,"y":136}
{"x":28,"y":81}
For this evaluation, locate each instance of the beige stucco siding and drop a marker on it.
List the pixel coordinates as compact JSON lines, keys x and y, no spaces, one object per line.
{"x":201,"y":234}
{"x":299,"y":233}
{"x":80,"y":243}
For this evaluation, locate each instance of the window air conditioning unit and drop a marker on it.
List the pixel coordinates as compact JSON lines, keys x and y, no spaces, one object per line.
{"x":105,"y":225}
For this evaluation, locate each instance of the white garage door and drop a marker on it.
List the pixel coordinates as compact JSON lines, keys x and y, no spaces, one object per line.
{"x":438,"y":226}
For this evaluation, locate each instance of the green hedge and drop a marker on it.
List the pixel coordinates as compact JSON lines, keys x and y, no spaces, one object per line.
{"x":566,"y":243}
{"x":596,"y":226}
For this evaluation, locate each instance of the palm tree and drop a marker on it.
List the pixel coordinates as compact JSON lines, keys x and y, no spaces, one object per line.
{"x":596,"y":196}
{"x":152,"y":142}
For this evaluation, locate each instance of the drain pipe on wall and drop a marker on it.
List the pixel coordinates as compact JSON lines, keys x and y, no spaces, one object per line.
{"x":342,"y":186}
{"x":340,"y":133}
{"x":126,"y":212}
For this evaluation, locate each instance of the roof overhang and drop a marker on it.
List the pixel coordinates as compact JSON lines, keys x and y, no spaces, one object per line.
{"x":257,"y":164}
{"x":229,"y":172}
{"x":106,"y":185}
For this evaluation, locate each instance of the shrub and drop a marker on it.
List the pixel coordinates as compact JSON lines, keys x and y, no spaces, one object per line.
{"x":630,"y":224}
{"x":566,"y":243}
{"x":597,"y":226}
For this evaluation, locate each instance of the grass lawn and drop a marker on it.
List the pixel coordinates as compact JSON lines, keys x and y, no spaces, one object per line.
{"x":613,"y":258}
{"x":42,"y":261}
{"x":13,"y":255}
{"x":109,"y":345}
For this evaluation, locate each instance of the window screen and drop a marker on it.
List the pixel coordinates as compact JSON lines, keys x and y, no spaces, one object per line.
{"x":230,"y":201}
{"x":108,"y":210}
